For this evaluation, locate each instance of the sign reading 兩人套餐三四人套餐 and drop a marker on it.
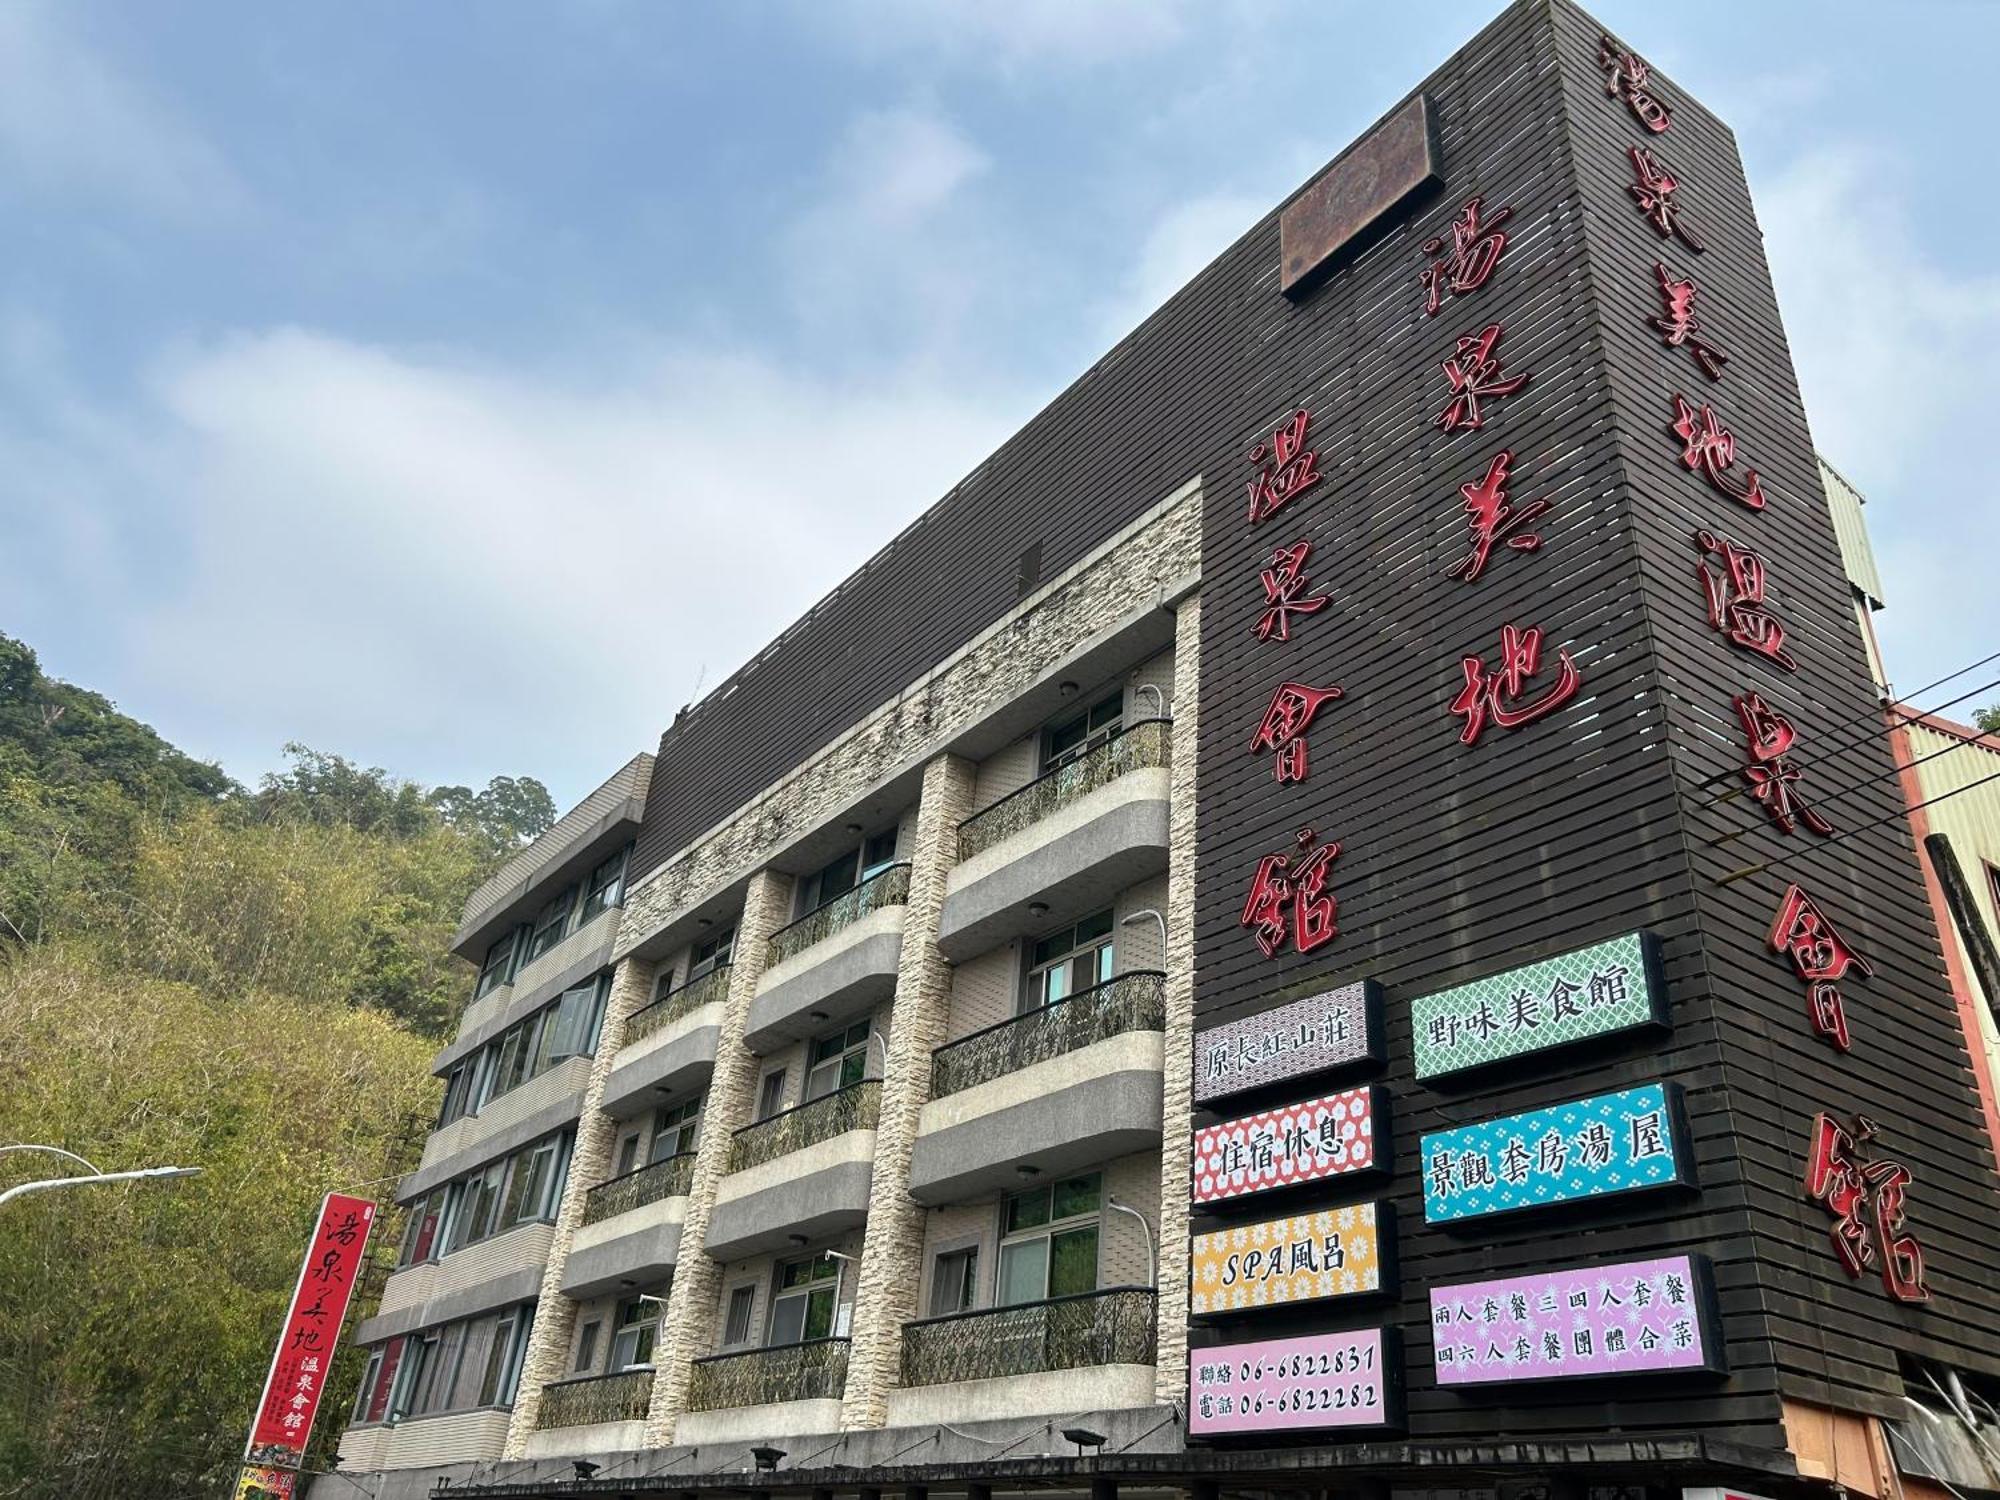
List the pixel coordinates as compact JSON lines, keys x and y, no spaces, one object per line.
{"x":1324,"y":1137}
{"x":1335,"y":1252}
{"x":1583,"y":1148}
{"x":1608,"y":987}
{"x":1631,"y":1318}
{"x":1275,"y":1385}
{"x":1312,"y":1035}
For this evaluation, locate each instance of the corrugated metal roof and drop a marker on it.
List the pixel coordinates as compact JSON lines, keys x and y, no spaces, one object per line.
{"x":1846,"y":501}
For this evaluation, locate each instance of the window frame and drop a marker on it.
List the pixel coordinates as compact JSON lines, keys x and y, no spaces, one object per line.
{"x":745,"y":1297}
{"x":586,"y":1347}
{"x":770,"y":1098}
{"x":1102,"y":948}
{"x":710,"y":954}
{"x":675,"y":1121}
{"x":596,"y":901}
{"x":1095,"y":732}
{"x":964,"y":1282}
{"x":552,"y":923}
{"x":849,"y":1051}
{"x":493,"y":975}
{"x":803,"y":1292}
{"x":1046,"y":1232}
{"x":642,"y":1329}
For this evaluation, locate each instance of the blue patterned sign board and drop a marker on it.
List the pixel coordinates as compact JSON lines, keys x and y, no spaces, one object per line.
{"x":1625,"y":1142}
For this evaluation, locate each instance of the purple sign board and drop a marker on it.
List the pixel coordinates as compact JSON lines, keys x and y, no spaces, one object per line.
{"x":1323,"y":1031}
{"x":1292,"y":1385}
{"x":1635,"y":1317}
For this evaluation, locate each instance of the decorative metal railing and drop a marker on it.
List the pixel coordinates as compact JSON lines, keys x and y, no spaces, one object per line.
{"x":890,"y":887}
{"x":666,"y":1178}
{"x":1134,"y":1001}
{"x":1113,"y":1326}
{"x":791,"y":1372}
{"x":714,"y":985}
{"x":855,"y":1107}
{"x":1136,"y":746}
{"x":622,"y":1397}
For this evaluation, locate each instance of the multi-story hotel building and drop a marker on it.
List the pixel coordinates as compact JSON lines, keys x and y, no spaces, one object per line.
{"x":1026,"y":1031}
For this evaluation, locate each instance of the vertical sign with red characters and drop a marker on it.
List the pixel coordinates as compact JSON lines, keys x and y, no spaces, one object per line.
{"x":304,"y":1356}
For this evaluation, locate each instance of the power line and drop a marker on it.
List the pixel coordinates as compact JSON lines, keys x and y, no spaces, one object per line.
{"x":1827,"y":843}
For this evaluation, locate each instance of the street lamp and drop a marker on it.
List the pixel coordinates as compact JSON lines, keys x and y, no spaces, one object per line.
{"x":21,"y":1190}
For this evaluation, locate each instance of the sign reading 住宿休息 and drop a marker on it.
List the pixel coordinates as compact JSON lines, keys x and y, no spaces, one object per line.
{"x":1303,"y":1142}
{"x":1306,"y":1036}
{"x":1584,"y":1148}
{"x":1336,"y":1252}
{"x":1608,"y":987}
{"x":1632,"y":1318}
{"x":1274,"y":1385}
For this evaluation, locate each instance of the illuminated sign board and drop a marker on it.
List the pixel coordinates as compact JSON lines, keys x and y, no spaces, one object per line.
{"x":1637,"y":1317}
{"x":1586,"y":1148}
{"x":1322,"y":1031}
{"x":1315,"y":1138}
{"x":1288,"y":1385}
{"x":1337,"y":1252}
{"x":1608,"y":987}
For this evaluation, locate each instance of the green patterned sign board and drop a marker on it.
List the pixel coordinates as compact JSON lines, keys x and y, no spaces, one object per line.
{"x":1608,"y":987}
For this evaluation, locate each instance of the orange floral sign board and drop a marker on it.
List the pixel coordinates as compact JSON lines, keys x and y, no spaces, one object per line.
{"x":1334,"y":1252}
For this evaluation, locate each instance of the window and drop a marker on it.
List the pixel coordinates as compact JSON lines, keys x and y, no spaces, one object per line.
{"x":372,"y":1404}
{"x":573,"y":1029}
{"x":413,"y":1374}
{"x":844,"y":873}
{"x":1072,"y":739}
{"x":736,"y":1325}
{"x":477,"y":1207}
{"x":802,"y":1305}
{"x":1067,"y":962}
{"x":502,"y":1376}
{"x":551,"y":923}
{"x":837,"y":1060}
{"x":954,"y":1281}
{"x":519,"y":1189}
{"x":363,"y":1398}
{"x":1048,"y":1245}
{"x":771,"y":1096}
{"x":498,"y":966}
{"x":605,"y":888}
{"x":711,"y":955}
{"x":586,"y":1347}
{"x":534,"y":1184}
{"x":420,"y":1231}
{"x":676,"y":1129}
{"x":628,"y":1155}
{"x":458,"y":1091}
{"x":638,"y":1324}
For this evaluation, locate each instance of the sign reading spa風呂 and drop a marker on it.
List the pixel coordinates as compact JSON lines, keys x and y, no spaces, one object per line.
{"x":1336,"y":1252}
{"x":1322,"y":1031}
{"x":1586,"y":1148}
{"x":1635,"y":1317}
{"x":1303,"y":1142}
{"x":1608,"y":987}
{"x":1274,"y":1385}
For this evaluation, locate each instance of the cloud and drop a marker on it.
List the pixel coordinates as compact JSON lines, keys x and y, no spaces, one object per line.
{"x":1078,"y":32}
{"x":1181,"y":242}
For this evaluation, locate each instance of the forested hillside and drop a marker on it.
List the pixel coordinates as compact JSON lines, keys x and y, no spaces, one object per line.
{"x":192,"y":972}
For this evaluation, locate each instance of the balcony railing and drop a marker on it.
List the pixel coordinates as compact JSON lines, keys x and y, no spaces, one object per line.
{"x":1135,"y":1001}
{"x":714,"y":985}
{"x":890,"y":887}
{"x":666,"y":1178}
{"x":622,"y":1397}
{"x":1136,"y":746}
{"x":855,"y":1107}
{"x":814,"y":1371}
{"x":1114,"y":1326}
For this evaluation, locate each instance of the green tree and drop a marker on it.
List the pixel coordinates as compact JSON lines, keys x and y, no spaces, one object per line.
{"x":1988,"y":719}
{"x":509,"y":813}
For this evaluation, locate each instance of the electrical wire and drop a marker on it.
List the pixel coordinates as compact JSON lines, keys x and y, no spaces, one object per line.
{"x":1826,"y":844}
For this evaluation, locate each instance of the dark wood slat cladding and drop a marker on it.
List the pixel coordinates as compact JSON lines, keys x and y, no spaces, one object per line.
{"x":1612,"y":814}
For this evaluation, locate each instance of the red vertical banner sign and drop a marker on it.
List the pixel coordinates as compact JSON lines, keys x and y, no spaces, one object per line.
{"x":304,"y":1357}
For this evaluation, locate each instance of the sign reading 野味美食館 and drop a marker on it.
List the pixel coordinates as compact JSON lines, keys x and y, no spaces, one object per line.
{"x":1583,"y":1148}
{"x":1631,"y":1318}
{"x":1312,"y":1035}
{"x":1336,"y":1252}
{"x":1608,"y":987}
{"x":1303,"y":1142}
{"x":1276,"y":1385}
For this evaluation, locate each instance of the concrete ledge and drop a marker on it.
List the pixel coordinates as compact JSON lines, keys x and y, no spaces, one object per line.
{"x":842,"y":975}
{"x":677,"y":1058}
{"x":570,"y":962}
{"x":639,"y":1245}
{"x":416,"y":1450}
{"x":749,"y":1424}
{"x":579,"y":1442}
{"x":507,"y":1124}
{"x":1076,"y":1110}
{"x":815,"y":1192}
{"x":1045,"y":1393}
{"x":1078,"y":857}
{"x":521,"y":1282}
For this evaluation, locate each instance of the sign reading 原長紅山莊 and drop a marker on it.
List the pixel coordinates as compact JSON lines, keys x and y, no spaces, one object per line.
{"x":1315,"y":1138}
{"x":1630,"y":1318}
{"x":1276,"y":1385}
{"x":1335,"y":1252}
{"x":1321,"y":1032}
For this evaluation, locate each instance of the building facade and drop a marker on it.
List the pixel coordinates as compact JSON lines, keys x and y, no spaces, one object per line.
{"x":1363,"y":824}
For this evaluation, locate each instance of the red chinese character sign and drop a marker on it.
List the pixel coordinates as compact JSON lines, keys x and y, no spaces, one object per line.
{"x":1474,"y":376}
{"x":1679,"y":326}
{"x":1286,"y":468}
{"x":1821,"y":957}
{"x":1503,"y":695}
{"x":1293,"y":708}
{"x":1735,"y":589}
{"x":1653,"y":189}
{"x":1866,"y":1199}
{"x":1709,"y":448}
{"x":1625,"y":76}
{"x":1771,"y":773}
{"x":1289,"y":903}
{"x":304,"y":1356}
{"x":1287,"y":592}
{"x":1492,"y":518}
{"x":1465,"y":255}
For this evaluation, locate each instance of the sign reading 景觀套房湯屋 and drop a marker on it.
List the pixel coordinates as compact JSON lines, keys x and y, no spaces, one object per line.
{"x":1334,"y":1252}
{"x":1590,"y":992}
{"x":1324,"y":1031}
{"x":1274,"y":1385}
{"x":1628,"y":1141}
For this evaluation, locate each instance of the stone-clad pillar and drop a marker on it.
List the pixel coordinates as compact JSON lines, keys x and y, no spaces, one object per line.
{"x":688,"y":1328}
{"x":589,"y":1163}
{"x":1177,"y":1113}
{"x":885,"y":1294}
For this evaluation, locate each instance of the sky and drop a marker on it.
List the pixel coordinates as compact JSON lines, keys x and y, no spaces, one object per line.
{"x":463,"y":389}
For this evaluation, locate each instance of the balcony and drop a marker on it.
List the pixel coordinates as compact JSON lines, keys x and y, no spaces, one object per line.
{"x":1066,"y":842}
{"x":1065,"y":1086}
{"x":669,"y":1046}
{"x":594,"y":1414}
{"x":765,"y":1393}
{"x":630,"y":1230}
{"x":1091,"y":1352}
{"x":803,"y":1172}
{"x":838,"y":960}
